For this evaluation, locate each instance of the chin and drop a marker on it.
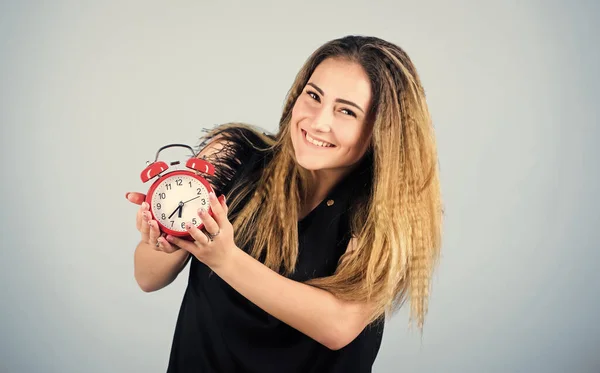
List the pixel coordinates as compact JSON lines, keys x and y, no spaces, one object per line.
{"x":309,"y":164}
{"x":308,"y":158}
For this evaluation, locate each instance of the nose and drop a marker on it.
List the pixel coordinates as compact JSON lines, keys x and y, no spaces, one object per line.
{"x":322,"y":120}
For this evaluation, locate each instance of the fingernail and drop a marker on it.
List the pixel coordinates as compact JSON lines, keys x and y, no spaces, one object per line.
{"x":169,"y":238}
{"x":211,"y":195}
{"x":188,"y":225}
{"x":127,"y":195}
{"x":201,"y":211}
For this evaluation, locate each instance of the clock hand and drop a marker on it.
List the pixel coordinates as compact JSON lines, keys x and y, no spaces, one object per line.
{"x":179,"y":206}
{"x":191,"y":199}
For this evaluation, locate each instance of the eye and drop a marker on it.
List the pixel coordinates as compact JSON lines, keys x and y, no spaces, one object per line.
{"x":349,"y":112}
{"x":314,"y":96}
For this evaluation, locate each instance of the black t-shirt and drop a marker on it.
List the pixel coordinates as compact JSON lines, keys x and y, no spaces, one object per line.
{"x":219,"y":330}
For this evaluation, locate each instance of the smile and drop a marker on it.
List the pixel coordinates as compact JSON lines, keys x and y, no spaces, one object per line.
{"x":317,"y":143}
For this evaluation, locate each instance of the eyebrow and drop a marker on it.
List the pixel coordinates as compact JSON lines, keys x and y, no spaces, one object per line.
{"x":340,"y":100}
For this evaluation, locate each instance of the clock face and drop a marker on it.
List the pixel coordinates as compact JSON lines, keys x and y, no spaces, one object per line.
{"x":176,"y":199}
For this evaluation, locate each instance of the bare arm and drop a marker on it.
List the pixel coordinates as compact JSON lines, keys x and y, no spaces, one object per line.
{"x":157,"y":267}
{"x":314,"y":312}
{"x":154,"y":269}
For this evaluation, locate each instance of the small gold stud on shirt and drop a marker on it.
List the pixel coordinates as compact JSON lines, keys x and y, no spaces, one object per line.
{"x":330,"y":202}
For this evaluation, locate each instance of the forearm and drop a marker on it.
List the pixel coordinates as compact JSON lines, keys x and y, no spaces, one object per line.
{"x":314,"y":312}
{"x":153,"y":270}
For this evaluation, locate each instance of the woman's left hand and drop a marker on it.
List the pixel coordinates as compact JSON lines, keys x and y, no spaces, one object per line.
{"x":213,"y":251}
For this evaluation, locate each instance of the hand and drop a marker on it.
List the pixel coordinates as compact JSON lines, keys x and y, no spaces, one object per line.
{"x":148,"y":228}
{"x":212,"y":252}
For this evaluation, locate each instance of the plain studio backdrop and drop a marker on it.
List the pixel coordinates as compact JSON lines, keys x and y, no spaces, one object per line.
{"x":90,"y":91}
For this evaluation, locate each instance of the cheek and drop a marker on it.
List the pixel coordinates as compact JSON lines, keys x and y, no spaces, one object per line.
{"x":350,"y":139}
{"x":296,"y":115}
{"x":354,"y":142}
{"x":300,"y":110}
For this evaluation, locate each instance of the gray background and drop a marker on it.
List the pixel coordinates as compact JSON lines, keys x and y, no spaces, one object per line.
{"x":90,"y":91}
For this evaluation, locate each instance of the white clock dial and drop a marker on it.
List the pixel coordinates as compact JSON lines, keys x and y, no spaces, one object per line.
{"x":176,"y":201}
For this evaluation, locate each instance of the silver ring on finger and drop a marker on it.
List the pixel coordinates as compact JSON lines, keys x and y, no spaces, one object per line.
{"x":211,"y":236}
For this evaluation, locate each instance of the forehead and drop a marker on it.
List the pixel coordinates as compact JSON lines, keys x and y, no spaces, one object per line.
{"x":340,"y":78}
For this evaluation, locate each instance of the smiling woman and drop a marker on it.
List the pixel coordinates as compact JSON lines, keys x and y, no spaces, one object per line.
{"x":327,"y":226}
{"x":331,"y":131}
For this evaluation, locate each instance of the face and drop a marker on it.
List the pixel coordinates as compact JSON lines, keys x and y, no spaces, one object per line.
{"x":329,"y":128}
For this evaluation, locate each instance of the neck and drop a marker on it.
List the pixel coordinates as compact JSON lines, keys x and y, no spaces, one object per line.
{"x":322,"y":183}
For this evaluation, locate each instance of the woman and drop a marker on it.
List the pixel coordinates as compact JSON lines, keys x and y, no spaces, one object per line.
{"x":326,"y":226}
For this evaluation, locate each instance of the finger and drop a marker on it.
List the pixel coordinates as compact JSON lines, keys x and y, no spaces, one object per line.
{"x":197,"y":234}
{"x":217,"y":210}
{"x":154,"y":232}
{"x":224,"y":204}
{"x":145,"y":227}
{"x":182,"y":244}
{"x":139,"y":219}
{"x":135,"y":197}
{"x":164,"y":245}
{"x":208,"y":221}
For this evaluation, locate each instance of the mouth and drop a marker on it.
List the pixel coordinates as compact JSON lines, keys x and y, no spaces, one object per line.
{"x":315,"y":143}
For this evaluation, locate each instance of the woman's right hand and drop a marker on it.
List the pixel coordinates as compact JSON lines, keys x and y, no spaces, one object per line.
{"x":147,"y":227}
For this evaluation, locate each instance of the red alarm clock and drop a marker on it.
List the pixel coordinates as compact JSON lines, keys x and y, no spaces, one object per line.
{"x":175,"y":196}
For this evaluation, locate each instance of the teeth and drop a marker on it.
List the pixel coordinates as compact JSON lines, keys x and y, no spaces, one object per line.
{"x":317,"y":142}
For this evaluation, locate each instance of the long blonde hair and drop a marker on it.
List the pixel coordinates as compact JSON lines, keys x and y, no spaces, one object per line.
{"x":398,"y":221}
